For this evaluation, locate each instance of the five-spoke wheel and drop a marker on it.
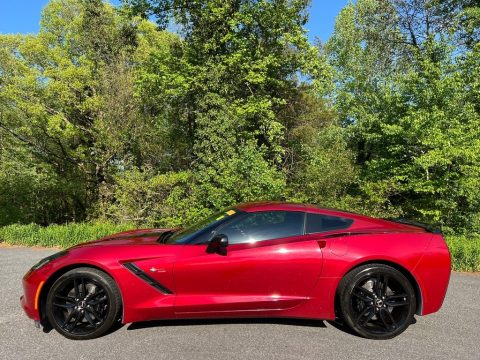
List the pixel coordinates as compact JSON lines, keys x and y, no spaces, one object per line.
{"x":377,"y":301}
{"x":83,"y":303}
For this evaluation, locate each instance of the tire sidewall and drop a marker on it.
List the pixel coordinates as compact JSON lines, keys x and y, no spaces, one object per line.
{"x":113,"y":301}
{"x":351,"y":281}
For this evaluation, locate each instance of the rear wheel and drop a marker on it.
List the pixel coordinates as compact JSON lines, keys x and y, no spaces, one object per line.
{"x":83,"y":303}
{"x":377,"y":301}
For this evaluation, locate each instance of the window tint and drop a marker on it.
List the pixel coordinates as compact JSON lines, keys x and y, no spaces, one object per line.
{"x":263,"y":225}
{"x":201,"y":231}
{"x":319,"y":223}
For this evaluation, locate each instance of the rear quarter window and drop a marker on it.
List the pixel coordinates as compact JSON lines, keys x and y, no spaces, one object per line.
{"x":317,"y":223}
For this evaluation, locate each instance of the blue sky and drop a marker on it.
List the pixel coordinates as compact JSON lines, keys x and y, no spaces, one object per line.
{"x":18,"y":16}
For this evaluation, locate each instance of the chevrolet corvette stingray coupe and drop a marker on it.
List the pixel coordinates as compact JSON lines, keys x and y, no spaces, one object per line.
{"x":275,"y":260}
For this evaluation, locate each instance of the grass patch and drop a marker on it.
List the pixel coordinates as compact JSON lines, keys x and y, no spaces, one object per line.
{"x":62,"y":236}
{"x":465,"y":251}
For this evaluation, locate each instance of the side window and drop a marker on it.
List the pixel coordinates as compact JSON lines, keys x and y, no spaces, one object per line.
{"x":319,"y":223}
{"x":265,"y":225}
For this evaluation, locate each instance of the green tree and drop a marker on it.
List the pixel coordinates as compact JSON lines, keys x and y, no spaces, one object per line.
{"x":240,"y":66}
{"x":319,"y":165}
{"x":405,"y":92}
{"x":68,"y":97}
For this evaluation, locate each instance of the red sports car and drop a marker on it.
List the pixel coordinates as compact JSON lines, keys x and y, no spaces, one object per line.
{"x":251,"y":260}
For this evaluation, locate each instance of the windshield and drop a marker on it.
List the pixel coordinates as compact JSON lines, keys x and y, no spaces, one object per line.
{"x":201,"y":231}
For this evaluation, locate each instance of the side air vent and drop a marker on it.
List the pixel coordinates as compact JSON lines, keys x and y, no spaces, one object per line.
{"x":147,"y":278}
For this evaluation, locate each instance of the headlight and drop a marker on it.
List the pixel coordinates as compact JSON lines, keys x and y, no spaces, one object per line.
{"x":48,"y":259}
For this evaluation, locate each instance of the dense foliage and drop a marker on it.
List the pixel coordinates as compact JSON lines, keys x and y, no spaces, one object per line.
{"x":407,"y":90}
{"x":161,"y":111}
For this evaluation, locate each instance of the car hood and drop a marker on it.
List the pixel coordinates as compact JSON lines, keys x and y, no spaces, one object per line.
{"x":132,"y":237}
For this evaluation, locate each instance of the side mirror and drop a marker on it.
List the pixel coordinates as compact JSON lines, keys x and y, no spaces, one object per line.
{"x":218,"y":245}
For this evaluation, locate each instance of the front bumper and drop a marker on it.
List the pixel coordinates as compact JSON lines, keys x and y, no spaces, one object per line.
{"x":31,"y":313}
{"x":30,"y":300}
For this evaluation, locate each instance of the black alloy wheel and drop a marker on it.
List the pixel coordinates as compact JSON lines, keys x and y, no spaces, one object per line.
{"x":377,"y":301}
{"x":83,"y":303}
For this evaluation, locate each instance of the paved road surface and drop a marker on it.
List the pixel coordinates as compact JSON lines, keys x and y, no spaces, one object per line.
{"x":452,"y":333}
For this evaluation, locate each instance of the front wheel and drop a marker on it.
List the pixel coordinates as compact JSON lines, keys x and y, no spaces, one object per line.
{"x":377,"y":301}
{"x":83,"y":303}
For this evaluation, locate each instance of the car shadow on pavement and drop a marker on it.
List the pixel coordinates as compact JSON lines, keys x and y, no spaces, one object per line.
{"x":195,"y":322}
{"x":340,"y":325}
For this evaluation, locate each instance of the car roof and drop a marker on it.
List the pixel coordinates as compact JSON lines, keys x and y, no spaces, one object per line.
{"x":287,"y":206}
{"x":270,"y":205}
{"x":361,"y":221}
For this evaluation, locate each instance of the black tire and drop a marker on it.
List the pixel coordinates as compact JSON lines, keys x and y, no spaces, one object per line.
{"x":83,"y":303}
{"x":377,"y":301}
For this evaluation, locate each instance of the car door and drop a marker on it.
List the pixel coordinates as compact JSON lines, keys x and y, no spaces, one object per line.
{"x":269,"y":265}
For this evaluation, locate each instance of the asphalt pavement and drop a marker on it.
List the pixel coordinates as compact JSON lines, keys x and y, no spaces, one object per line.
{"x":452,"y":333}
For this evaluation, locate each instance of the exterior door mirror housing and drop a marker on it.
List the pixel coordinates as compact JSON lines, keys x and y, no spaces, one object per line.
{"x":218,"y":244}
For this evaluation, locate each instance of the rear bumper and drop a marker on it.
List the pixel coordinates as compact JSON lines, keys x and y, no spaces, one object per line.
{"x":433,"y":274}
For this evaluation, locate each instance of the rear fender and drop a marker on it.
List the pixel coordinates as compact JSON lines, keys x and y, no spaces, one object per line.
{"x":401,"y":250}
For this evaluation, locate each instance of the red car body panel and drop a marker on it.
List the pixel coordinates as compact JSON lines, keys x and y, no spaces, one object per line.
{"x":289,"y":277}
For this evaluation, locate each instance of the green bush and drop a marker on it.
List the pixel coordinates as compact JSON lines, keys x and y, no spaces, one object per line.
{"x":465,"y":251}
{"x":58,"y":235}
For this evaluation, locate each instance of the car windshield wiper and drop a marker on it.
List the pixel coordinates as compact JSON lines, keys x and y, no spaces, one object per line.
{"x":165,"y":236}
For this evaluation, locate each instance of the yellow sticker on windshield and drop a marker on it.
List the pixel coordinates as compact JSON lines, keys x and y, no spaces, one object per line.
{"x":230,"y":212}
